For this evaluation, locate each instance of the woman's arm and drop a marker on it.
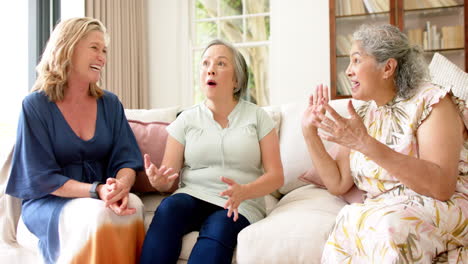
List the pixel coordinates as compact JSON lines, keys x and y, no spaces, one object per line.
{"x":271,"y":180}
{"x":272,"y":177}
{"x":435,"y":172}
{"x":165,"y":178}
{"x":335,"y":174}
{"x":114,"y":192}
{"x":73,"y":189}
{"x":440,"y":138}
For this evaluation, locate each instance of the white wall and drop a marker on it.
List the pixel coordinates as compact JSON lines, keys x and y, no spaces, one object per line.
{"x":14,"y":54}
{"x":169,"y":51}
{"x":13,"y":69}
{"x":300,"y":49}
{"x":299,"y":53}
{"x":72,"y":8}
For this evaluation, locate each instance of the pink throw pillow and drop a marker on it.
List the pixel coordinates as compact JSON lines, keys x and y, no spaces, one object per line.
{"x":151,"y":138}
{"x":354,"y":195}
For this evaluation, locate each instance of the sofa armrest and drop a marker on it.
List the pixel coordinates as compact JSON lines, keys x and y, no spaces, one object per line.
{"x":9,"y":206}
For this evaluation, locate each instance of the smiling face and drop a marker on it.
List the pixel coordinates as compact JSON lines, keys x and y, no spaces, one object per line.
{"x":217,"y":75}
{"x":365,"y":74}
{"x":89,"y":58}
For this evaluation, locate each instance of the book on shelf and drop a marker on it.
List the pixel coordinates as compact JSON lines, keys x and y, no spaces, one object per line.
{"x":383,"y":5}
{"x":418,"y":4}
{"x":375,"y":6}
{"x":449,"y":37}
{"x":369,"y":6}
{"x":415,"y":36}
{"x":357,"y":7}
{"x":350,"y":7}
{"x":448,"y":2}
{"x":432,"y":38}
{"x":452,"y":37}
{"x":343,"y":44}
{"x":338,"y":8}
{"x":346,"y":7}
{"x":343,"y":86}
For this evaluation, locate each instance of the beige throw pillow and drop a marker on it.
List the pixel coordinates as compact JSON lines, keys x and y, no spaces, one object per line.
{"x":448,"y":75}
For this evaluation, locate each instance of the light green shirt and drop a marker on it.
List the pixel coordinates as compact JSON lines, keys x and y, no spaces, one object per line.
{"x":212,"y":152}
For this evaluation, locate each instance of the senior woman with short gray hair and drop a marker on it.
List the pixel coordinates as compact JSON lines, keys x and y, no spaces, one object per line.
{"x":226,"y":151}
{"x":405,"y":147}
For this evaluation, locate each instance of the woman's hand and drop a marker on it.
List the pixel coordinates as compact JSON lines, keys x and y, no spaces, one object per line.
{"x":348,"y":132}
{"x":115,"y":194}
{"x":236,"y":194}
{"x":310,"y":119}
{"x":162,"y":178}
{"x":121,"y":207}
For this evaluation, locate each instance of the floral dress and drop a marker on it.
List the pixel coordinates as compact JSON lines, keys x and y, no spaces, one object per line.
{"x":396,"y":224}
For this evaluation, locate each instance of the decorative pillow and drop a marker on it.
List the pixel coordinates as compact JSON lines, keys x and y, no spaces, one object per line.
{"x":311,"y":175}
{"x":354,"y":195}
{"x":448,"y":75}
{"x":293,"y":149}
{"x":151,"y":138}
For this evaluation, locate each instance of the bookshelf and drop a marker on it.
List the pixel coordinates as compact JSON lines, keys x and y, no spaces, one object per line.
{"x":436,"y":26}
{"x":443,"y":21}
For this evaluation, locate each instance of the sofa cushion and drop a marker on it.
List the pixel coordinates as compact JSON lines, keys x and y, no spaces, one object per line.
{"x":293,"y":149}
{"x":448,"y":75}
{"x":294,"y":154}
{"x":151,"y":138}
{"x":311,"y":175}
{"x":161,"y":114}
{"x":294,"y":232}
{"x":354,"y":195}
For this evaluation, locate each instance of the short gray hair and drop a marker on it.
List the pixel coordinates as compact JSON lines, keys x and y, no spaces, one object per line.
{"x":240,"y":66}
{"x":386,"y":41}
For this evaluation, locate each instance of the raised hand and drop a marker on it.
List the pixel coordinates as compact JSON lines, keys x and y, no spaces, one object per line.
{"x":236,"y":194}
{"x":163,"y":178}
{"x":348,"y":132}
{"x":310,"y":119}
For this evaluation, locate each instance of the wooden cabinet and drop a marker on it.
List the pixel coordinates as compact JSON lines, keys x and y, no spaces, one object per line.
{"x":435,"y":25}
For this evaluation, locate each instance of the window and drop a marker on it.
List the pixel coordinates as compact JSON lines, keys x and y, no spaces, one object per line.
{"x":244,"y":23}
{"x":33,"y":22}
{"x":14,"y":69}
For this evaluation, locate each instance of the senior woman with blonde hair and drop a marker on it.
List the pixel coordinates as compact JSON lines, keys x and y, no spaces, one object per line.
{"x":75,"y":155}
{"x":406,"y":147}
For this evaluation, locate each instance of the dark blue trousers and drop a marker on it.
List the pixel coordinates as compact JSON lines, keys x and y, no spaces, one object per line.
{"x":180,"y":214}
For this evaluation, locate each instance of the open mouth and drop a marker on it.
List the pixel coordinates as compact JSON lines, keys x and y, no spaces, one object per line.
{"x":96,"y":67}
{"x":211,"y":83}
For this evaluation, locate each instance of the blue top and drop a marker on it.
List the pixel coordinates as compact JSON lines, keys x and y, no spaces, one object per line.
{"x":48,"y":153}
{"x":212,"y":151}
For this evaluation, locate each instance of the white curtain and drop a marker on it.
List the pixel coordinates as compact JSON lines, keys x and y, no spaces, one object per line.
{"x":126,"y":72}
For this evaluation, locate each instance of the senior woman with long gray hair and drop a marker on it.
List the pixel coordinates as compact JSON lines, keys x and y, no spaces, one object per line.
{"x":406,"y":146}
{"x":226,"y":151}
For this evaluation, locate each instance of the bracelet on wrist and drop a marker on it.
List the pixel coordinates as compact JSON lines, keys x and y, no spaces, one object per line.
{"x":93,"y":191}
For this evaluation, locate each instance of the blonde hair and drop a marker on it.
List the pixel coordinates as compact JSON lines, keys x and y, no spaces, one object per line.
{"x":55,"y":62}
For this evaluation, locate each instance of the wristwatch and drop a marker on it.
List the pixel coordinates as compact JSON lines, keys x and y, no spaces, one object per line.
{"x":93,"y":192}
